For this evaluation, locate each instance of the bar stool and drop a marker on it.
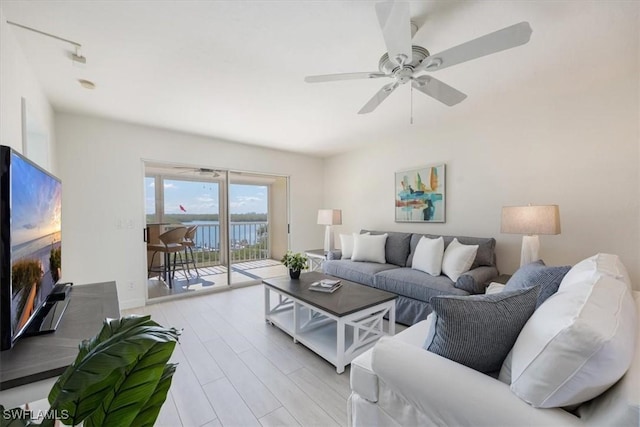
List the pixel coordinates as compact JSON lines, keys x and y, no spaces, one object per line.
{"x":189,"y":242}
{"x":170,"y":243}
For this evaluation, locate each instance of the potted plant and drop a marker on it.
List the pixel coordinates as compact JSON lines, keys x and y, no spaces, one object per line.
{"x":119,"y":378}
{"x":295,"y":262}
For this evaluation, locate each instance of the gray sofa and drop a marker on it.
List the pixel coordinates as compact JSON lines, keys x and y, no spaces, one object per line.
{"x":415,"y":288}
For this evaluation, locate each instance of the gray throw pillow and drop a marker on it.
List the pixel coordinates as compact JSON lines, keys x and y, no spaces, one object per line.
{"x":538,"y":274}
{"x":479,"y":330}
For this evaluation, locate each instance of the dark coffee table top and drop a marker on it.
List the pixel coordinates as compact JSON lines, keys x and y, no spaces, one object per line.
{"x":350,"y":298}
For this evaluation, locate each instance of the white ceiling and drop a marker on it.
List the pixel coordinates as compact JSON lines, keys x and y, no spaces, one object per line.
{"x":234,"y":69}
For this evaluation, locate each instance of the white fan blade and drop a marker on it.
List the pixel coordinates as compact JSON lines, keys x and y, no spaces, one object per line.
{"x":343,"y":76}
{"x":438,"y":90}
{"x":395,"y":22}
{"x":377,"y":99}
{"x":497,"y":41}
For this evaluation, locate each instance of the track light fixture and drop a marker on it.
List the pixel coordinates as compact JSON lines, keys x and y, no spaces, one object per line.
{"x":76,"y":57}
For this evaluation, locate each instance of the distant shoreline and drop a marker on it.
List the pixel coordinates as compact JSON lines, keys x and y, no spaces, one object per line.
{"x":186,"y":217}
{"x":26,"y":248}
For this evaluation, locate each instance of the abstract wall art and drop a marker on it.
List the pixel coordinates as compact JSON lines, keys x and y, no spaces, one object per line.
{"x":420,"y":194}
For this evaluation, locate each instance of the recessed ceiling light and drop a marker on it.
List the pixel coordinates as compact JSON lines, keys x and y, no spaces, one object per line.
{"x":87,"y":84}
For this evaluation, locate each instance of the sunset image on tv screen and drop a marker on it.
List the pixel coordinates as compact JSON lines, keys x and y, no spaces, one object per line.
{"x":35,"y":238}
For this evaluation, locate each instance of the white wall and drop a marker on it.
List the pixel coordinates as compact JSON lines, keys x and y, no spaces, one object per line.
{"x":569,"y":136}
{"x":102,"y":174}
{"x":18,"y":81}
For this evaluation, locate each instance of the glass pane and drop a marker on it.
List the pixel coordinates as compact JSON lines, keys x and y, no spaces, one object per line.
{"x":248,"y":210}
{"x":150,"y":199}
{"x":196,"y":203}
{"x":252,"y":227}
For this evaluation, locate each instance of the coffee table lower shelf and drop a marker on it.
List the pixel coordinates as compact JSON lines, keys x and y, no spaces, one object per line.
{"x":337,"y":339}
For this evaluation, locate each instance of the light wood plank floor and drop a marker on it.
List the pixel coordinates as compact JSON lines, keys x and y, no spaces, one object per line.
{"x":235,"y":370}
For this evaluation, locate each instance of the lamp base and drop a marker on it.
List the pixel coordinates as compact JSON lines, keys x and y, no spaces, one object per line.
{"x":328,"y":240}
{"x":530,"y":250}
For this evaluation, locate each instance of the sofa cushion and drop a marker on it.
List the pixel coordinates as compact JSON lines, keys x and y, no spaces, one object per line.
{"x":415,"y":284}
{"x":368,"y":248}
{"x":535,"y":274}
{"x":397,"y":247}
{"x":620,"y":405}
{"x":579,"y":342}
{"x":420,"y":388}
{"x":428,"y":256}
{"x":359,"y":272}
{"x":458,"y":259}
{"x":486,"y":248}
{"x":479,"y":330}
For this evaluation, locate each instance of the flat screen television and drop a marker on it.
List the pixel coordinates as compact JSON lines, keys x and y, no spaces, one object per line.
{"x":30,"y":248}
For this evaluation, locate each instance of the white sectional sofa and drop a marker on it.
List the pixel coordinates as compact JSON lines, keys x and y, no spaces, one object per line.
{"x":399,"y":383}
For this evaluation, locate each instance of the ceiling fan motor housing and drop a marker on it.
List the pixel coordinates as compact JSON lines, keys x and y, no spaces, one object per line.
{"x":387,"y":66}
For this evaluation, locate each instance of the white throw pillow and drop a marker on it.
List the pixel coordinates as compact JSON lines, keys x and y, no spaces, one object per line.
{"x":494,"y":288}
{"x":458,"y":259}
{"x":346,"y":244}
{"x":428,"y":255}
{"x":579,"y":342}
{"x":370,"y":248}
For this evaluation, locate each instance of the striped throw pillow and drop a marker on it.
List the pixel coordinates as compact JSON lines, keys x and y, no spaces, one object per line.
{"x":479,"y":330}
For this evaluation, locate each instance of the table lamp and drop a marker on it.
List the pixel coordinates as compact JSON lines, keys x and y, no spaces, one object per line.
{"x":329,"y":217}
{"x":530,"y":221}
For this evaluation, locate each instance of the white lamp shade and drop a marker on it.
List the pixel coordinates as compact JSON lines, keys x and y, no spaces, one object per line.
{"x":531,"y":220}
{"x":329,"y":217}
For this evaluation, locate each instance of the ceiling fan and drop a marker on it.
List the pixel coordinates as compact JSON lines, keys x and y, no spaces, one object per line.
{"x":405,"y":62}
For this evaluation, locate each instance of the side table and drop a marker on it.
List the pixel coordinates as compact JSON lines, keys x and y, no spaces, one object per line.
{"x":316,"y":258}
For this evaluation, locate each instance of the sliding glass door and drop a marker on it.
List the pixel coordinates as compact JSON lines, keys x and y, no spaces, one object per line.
{"x":256,"y":216}
{"x":241,"y":222}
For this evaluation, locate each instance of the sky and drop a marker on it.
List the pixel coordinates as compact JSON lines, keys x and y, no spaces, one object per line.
{"x":203,"y":197}
{"x":35,"y":202}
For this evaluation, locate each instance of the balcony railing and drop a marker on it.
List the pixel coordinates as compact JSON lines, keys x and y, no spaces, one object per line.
{"x":249,"y":241}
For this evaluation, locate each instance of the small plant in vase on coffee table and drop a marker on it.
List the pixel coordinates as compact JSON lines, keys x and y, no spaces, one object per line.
{"x":295,"y":262}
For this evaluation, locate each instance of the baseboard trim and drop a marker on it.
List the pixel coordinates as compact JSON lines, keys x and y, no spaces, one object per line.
{"x":132,"y":303}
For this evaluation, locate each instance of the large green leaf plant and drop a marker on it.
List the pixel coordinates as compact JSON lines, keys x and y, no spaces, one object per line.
{"x":120,"y":378}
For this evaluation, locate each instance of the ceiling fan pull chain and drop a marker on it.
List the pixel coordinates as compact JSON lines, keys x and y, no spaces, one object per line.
{"x":411,"y":92}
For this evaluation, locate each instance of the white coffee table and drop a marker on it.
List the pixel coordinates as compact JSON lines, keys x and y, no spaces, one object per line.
{"x":338,"y":326}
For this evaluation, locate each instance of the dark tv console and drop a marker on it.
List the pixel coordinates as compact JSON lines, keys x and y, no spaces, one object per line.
{"x":35,"y":358}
